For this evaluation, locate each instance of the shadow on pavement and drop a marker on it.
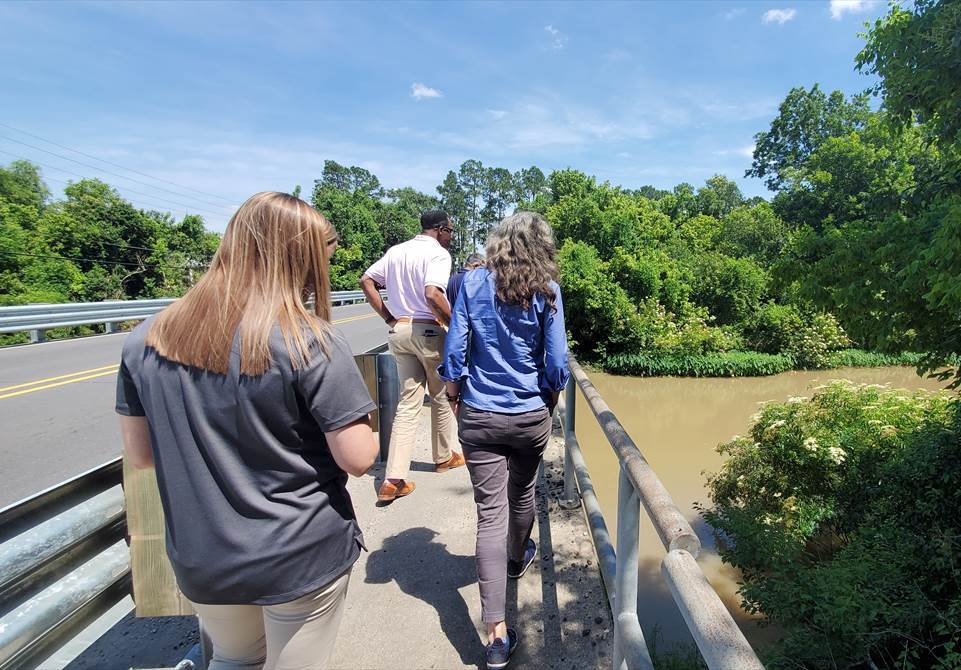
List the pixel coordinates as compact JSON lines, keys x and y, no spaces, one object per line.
{"x":424,"y":569}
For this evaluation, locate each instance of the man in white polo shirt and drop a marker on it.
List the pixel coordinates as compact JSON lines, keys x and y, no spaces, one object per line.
{"x":415,"y":274}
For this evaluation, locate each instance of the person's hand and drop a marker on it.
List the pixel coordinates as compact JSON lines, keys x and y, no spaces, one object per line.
{"x":455,"y":406}
{"x":391,"y":323}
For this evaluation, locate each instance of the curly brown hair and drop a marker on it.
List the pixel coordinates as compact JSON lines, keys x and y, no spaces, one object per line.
{"x":522,"y":255}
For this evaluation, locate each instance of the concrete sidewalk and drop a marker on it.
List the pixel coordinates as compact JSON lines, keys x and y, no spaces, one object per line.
{"x":413,"y":601}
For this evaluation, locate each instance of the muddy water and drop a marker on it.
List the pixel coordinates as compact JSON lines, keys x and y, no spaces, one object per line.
{"x":677,"y":423}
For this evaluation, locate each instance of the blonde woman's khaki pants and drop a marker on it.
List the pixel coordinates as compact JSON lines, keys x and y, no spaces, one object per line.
{"x":298,"y":635}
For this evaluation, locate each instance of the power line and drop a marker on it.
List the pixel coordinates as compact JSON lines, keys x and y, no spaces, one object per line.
{"x":103,"y":160}
{"x":140,"y":203}
{"x":97,"y":260}
{"x":94,"y":167}
{"x":167,"y":204}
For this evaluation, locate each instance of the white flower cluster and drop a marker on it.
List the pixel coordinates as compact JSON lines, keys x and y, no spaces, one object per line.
{"x":811,"y":444}
{"x":837,"y":455}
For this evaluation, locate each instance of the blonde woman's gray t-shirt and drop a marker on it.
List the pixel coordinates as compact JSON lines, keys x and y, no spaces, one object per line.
{"x":257,"y":511}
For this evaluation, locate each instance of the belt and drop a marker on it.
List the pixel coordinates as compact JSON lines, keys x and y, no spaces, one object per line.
{"x":410,"y":319}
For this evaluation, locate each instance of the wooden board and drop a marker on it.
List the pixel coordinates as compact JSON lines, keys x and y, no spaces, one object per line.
{"x":155,"y":591}
{"x":367,"y":364}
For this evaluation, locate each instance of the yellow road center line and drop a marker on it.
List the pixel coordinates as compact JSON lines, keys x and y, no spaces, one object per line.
{"x":353,"y":318}
{"x":84,"y":375}
{"x":53,"y":379}
{"x":50,"y":386}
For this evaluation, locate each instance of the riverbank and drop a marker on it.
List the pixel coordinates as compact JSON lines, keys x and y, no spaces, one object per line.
{"x":741,"y":363}
{"x":678,"y":422}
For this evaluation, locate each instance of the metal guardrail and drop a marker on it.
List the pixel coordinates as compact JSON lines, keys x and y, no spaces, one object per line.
{"x":39,"y":318}
{"x":721,"y":643}
{"x":63,"y":562}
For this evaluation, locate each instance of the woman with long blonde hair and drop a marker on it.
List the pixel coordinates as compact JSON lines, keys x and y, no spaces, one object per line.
{"x":505,"y":363}
{"x":253,"y":412}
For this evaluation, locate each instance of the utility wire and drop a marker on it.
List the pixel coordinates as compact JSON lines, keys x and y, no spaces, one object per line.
{"x":94,"y":167}
{"x":97,"y":260}
{"x":167,"y":204}
{"x":103,"y":160}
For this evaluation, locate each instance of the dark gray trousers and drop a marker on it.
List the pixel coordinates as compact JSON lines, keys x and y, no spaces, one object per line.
{"x":503,"y":452}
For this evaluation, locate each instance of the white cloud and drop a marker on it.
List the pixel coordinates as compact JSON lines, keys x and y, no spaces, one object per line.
{"x":559,"y":38}
{"x":420,"y":91}
{"x":780,"y":16}
{"x":747,"y":152}
{"x":624,"y":154}
{"x":841,"y":7}
{"x":497,"y":113}
{"x":733,"y":13}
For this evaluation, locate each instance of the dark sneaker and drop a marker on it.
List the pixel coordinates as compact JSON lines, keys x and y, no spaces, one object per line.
{"x":498,"y":653}
{"x":516,"y":569}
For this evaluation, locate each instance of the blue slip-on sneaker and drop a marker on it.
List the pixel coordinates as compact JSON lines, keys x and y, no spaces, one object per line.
{"x":516,"y":569}
{"x":498,"y":653}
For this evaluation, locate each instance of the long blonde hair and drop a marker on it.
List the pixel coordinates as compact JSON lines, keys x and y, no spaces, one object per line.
{"x":275,"y":249}
{"x":521,"y":254}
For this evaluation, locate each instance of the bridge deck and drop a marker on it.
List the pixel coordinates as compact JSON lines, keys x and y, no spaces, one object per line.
{"x":413,"y":600}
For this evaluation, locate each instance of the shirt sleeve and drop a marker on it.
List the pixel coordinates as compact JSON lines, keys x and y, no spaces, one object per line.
{"x":556,"y":372}
{"x":378,"y":271}
{"x":438,"y":270}
{"x":333,"y":388}
{"x":128,"y":399}
{"x":454,"y":364}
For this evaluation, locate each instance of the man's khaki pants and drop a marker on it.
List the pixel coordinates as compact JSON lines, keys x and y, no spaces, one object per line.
{"x":418,"y":348}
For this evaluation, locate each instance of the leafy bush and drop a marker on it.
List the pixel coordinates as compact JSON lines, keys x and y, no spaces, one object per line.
{"x":731,"y":288}
{"x":852,"y":358}
{"x":597,"y":310}
{"x":842,"y":514}
{"x":726,"y":364}
{"x":818,"y":337}
{"x":808,"y":338}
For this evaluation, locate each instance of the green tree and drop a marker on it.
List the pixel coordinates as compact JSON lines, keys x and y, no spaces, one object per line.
{"x":718,"y":197}
{"x":805,"y":120}
{"x":470,"y":178}
{"x":21,"y":184}
{"x":453,"y":200}
{"x":915,"y":50}
{"x":529,"y":183}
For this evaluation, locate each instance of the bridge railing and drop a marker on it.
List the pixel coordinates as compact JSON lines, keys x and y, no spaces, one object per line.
{"x":719,"y":640}
{"x":63,"y":562}
{"x":39,"y":318}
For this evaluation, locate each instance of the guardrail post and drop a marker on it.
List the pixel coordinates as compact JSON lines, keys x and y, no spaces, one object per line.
{"x":629,"y":641}
{"x":571,"y":498}
{"x":388,"y":394}
{"x":110,"y":327}
{"x":37,"y":335}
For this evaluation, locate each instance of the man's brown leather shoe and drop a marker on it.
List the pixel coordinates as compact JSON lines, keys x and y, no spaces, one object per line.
{"x":389,"y":491}
{"x":455,"y":461}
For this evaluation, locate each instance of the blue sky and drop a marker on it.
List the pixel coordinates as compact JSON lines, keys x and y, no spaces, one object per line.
{"x":234,"y":98}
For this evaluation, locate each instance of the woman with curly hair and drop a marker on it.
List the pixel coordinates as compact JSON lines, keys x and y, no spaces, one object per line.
{"x":505,"y":364}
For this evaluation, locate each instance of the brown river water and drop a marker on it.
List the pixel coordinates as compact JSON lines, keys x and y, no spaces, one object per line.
{"x":677,"y":423}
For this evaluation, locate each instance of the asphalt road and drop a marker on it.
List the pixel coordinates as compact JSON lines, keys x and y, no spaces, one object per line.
{"x":57,"y":398}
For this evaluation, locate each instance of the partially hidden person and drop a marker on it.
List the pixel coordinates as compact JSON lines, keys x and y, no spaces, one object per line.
{"x":417,"y":313}
{"x":473,"y":262}
{"x":252,"y":410}
{"x":505,"y":364}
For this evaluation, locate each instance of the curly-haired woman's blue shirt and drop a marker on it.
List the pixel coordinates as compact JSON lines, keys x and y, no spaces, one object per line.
{"x":510,"y":359}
